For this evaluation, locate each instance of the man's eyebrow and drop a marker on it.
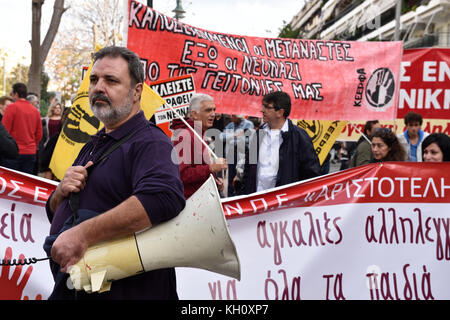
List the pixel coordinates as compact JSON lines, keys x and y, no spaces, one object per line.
{"x":110,"y":76}
{"x":107,"y":77}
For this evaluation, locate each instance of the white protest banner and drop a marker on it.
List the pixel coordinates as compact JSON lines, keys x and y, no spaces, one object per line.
{"x":23,"y":228}
{"x":177,"y":92}
{"x":380,"y":231}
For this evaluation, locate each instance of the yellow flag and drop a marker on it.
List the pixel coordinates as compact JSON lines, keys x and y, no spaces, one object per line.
{"x":81,"y":124}
{"x":150,"y":101}
{"x":323,"y":134}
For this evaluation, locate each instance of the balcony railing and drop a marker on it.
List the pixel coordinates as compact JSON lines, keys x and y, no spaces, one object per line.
{"x":438,"y":39}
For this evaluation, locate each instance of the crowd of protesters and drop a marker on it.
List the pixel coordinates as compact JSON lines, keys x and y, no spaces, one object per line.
{"x":27,"y":140}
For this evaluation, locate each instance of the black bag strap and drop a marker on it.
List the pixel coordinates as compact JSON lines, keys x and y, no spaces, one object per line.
{"x":74,"y":198}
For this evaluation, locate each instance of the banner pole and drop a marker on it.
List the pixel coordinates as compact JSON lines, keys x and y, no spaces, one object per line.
{"x":198,"y":136}
{"x":359,"y":131}
{"x":195,"y":133}
{"x":125,"y":25}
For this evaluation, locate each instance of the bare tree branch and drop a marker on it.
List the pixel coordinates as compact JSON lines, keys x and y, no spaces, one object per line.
{"x":58,"y":11}
{"x":88,"y":22}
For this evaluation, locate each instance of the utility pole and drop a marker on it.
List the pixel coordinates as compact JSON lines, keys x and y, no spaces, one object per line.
{"x":398,"y":9}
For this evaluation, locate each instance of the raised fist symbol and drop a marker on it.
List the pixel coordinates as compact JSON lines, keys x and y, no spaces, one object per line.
{"x":79,"y":125}
{"x":380,"y":87}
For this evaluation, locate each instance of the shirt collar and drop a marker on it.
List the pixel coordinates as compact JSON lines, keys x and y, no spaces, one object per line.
{"x":421,"y":133}
{"x":284,"y":128}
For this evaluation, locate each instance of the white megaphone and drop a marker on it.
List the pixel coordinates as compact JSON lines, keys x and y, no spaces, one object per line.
{"x":198,"y":237}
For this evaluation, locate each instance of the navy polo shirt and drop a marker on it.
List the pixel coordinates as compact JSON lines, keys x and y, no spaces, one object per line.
{"x":142,"y":166}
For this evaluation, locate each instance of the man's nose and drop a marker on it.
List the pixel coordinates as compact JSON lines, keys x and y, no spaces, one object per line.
{"x":99,"y":86}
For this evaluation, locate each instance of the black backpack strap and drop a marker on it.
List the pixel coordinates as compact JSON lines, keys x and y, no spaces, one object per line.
{"x":74,"y":198}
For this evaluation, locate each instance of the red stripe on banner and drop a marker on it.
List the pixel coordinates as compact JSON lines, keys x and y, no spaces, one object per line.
{"x":396,"y":182}
{"x":393,"y":182}
{"x":20,"y":187}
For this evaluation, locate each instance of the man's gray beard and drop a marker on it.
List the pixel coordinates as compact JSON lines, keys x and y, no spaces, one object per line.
{"x":111,"y":115}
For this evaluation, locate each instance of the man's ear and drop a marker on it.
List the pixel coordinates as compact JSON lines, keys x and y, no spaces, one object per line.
{"x":280,"y":112}
{"x":137,"y":91}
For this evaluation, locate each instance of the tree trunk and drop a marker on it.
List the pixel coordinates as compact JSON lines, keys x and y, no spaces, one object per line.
{"x":39,"y":52}
{"x":34,"y":75}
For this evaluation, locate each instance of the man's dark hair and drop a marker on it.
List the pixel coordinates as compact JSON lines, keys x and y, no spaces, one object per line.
{"x":280,"y":100}
{"x":21,"y":89}
{"x":369,"y":125}
{"x":134,"y":63}
{"x":411,"y":117}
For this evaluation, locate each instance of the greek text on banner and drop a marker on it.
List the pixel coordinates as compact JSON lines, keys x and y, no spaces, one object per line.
{"x":327,"y":80}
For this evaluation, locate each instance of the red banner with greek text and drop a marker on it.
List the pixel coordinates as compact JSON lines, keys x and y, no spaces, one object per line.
{"x":424,"y":89}
{"x":425,"y":83}
{"x":375,"y":232}
{"x":326,"y":80}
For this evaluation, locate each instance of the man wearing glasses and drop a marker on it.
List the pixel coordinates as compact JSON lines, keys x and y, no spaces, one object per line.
{"x":279,"y":152}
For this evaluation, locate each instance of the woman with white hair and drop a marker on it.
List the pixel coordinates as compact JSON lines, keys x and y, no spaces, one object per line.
{"x":194,"y":160}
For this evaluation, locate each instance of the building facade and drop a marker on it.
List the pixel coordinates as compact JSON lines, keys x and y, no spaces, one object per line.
{"x":423,"y":23}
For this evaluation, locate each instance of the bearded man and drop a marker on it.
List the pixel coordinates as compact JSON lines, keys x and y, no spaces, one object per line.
{"x":133,"y":188}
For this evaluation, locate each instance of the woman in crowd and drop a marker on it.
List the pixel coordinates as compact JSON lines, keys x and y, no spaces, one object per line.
{"x":436,"y":148}
{"x":386,"y":147}
{"x":53,"y":119}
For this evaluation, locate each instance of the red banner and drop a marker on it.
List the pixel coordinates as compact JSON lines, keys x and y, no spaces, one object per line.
{"x":327,"y":80}
{"x":17,"y":186}
{"x":425,"y":83}
{"x":393,"y":182}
